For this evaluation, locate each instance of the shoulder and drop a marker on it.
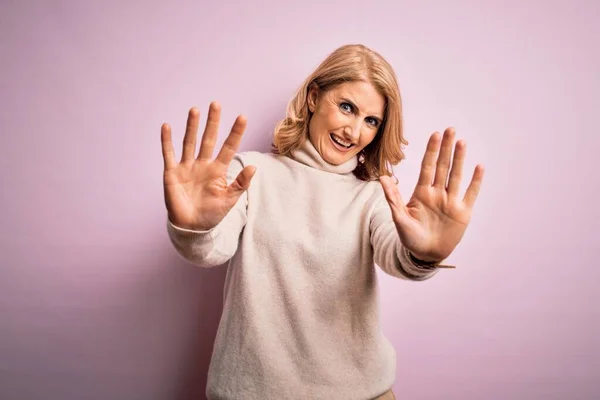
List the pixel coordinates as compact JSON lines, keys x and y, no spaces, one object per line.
{"x":253,"y":156}
{"x":258,"y":159}
{"x":375,"y":193}
{"x":262,"y":161}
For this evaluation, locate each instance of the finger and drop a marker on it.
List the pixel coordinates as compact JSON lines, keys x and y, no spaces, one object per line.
{"x":232,"y":142}
{"x":392,"y":195}
{"x":474,"y":186}
{"x":428,"y":162}
{"x":189,"y":140}
{"x":211,"y":131}
{"x":167,"y":147}
{"x":443,"y":161}
{"x":242,"y":181}
{"x":457,"y":167}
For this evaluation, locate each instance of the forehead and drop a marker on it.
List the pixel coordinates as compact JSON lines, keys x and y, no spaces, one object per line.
{"x":363,"y":94}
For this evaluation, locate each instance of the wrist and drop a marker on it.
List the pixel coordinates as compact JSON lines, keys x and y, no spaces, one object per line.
{"x":422,"y":259}
{"x":426,"y":263}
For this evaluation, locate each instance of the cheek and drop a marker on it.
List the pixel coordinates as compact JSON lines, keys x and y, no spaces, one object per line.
{"x":318,"y":124}
{"x":367,"y":137}
{"x":336,"y":119}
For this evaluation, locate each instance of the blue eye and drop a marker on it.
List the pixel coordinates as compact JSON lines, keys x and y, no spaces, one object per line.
{"x":374,"y":121}
{"x":350,"y":108}
{"x":346,"y":104}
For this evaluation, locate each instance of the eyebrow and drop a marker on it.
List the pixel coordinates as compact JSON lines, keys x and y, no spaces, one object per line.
{"x":355,"y":106}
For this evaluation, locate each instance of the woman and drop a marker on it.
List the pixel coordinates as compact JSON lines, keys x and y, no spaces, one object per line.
{"x":303,"y":227}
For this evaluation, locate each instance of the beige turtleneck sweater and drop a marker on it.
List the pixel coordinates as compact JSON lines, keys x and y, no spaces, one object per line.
{"x":300,"y":317}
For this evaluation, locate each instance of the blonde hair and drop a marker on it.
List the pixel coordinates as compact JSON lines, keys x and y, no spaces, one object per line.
{"x":350,"y":63}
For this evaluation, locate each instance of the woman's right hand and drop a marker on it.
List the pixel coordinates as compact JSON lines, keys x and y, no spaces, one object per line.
{"x":197,"y":195}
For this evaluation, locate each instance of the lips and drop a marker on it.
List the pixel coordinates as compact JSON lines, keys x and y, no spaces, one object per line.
{"x":339,"y":145}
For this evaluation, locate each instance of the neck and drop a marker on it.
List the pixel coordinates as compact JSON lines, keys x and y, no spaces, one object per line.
{"x":307,"y":154}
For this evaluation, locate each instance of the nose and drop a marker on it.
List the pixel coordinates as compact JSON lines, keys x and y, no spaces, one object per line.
{"x":353,"y":132}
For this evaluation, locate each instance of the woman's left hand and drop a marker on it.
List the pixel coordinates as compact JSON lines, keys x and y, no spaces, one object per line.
{"x":434,"y":220}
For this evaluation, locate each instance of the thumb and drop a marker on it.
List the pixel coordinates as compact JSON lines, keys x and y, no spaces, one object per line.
{"x":242,"y":181}
{"x":393,"y":197}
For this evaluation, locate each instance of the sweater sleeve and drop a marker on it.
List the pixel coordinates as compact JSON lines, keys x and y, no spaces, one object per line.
{"x":388,"y":251}
{"x":215,"y":246}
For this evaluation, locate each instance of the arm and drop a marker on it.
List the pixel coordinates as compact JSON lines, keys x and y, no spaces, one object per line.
{"x":215,"y":246}
{"x":388,"y":251}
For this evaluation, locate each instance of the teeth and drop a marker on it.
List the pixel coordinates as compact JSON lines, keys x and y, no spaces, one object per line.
{"x":340,"y":141}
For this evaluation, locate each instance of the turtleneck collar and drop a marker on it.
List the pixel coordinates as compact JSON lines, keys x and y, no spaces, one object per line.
{"x":307,"y":154}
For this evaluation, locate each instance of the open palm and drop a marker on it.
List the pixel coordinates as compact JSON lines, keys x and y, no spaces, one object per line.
{"x":197,"y":195}
{"x":435,"y":219}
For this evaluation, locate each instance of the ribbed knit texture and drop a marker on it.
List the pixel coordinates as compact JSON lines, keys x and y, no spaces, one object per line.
{"x":301,"y":316}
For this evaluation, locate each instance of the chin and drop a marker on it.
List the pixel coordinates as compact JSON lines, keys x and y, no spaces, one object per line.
{"x":337,"y":159}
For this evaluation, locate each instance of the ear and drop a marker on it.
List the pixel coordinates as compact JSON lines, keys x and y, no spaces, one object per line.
{"x":313,"y":95}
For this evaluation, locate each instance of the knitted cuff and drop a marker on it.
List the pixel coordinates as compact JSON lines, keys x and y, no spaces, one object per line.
{"x":426,"y":265}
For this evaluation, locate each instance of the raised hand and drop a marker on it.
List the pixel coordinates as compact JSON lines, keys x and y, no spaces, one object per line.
{"x":197,"y":195}
{"x":434,"y":220}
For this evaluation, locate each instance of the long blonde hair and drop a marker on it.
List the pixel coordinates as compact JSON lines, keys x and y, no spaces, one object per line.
{"x":350,"y":63}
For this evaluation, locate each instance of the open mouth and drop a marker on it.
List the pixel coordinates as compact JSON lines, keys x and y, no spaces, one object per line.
{"x":338,"y":141}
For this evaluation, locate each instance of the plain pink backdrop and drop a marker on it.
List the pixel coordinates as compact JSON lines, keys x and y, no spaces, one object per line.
{"x":96,"y":304}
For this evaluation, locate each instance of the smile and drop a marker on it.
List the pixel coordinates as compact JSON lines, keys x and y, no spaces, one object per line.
{"x":340,"y":143}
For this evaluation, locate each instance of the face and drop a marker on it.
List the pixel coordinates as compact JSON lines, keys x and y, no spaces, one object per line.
{"x":345,"y":119}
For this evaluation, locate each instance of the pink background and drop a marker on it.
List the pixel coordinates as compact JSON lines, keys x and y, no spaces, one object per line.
{"x":96,"y":304}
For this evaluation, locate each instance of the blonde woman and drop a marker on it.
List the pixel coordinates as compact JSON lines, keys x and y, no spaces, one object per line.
{"x":303,"y":227}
